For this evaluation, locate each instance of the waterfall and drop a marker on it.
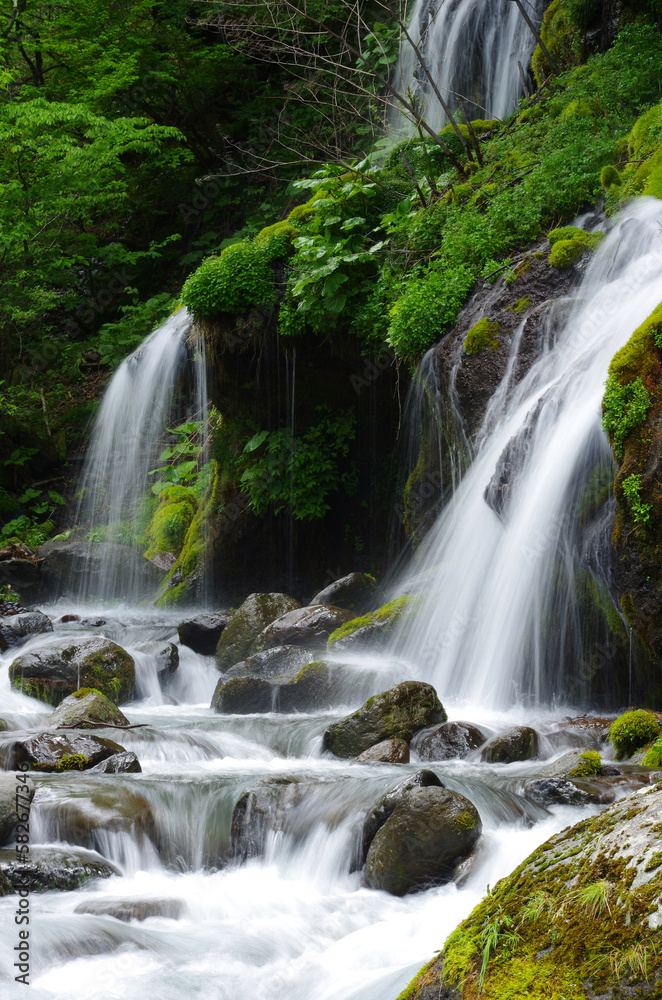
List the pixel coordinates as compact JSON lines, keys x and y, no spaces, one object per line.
{"x":147,"y":393}
{"x":499,"y":567}
{"x":471,"y":49}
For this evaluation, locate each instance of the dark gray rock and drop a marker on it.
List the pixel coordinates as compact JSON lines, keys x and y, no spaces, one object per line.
{"x":45,"y":868}
{"x":280,"y":661}
{"x":52,"y":672}
{"x":553,"y":791}
{"x":15,"y":629}
{"x":310,"y":626}
{"x":357,"y":591}
{"x":449,"y":741}
{"x":384,"y":806}
{"x":102,"y":806}
{"x":428,"y":832}
{"x":201,"y":634}
{"x":60,"y":752}
{"x":6,"y":888}
{"x":16,"y":795}
{"x":316,"y":686}
{"x":133,"y":909}
{"x":397,"y":713}
{"x":518,"y":743}
{"x":166,"y":655}
{"x":22,"y":575}
{"x":386,"y":752}
{"x":257,"y":611}
{"x":261,"y":809}
{"x":119,"y":763}
{"x":67,"y":566}
{"x":84,"y":708}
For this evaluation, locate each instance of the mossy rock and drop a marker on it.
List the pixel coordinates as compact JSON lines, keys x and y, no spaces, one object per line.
{"x":52,"y":672}
{"x":376,"y":627}
{"x":309,"y":626}
{"x":86,"y":707}
{"x":238,"y":637}
{"x":171,"y":520}
{"x":397,"y":713}
{"x":633,"y":730}
{"x":481,"y":337}
{"x":579,"y":918}
{"x":518,"y":743}
{"x":569,"y":243}
{"x":61,"y":752}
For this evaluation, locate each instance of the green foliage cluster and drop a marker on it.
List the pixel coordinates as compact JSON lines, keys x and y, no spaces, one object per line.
{"x":653,"y":757}
{"x":633,"y":730}
{"x":570,"y":242}
{"x":631,"y":487}
{"x":624,"y":409}
{"x":234,"y":282}
{"x":171,"y":520}
{"x":36,"y":525}
{"x":481,"y":336}
{"x":284,"y":472}
{"x":588,"y":766}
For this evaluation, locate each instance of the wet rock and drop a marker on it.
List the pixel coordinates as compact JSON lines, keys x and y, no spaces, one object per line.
{"x":164,"y":561}
{"x":65,"y":619}
{"x":449,"y":741}
{"x":60,"y":752}
{"x":384,"y":806}
{"x":202,"y":633}
{"x":84,"y":708}
{"x":280,"y":661}
{"x":67,"y":566}
{"x":386,"y":752}
{"x":119,"y":763}
{"x":52,"y":672}
{"x":94,"y":809}
{"x":358,"y":591}
{"x":315,"y":686}
{"x":310,"y":626}
{"x":553,"y":791}
{"x":133,"y":909}
{"x":518,"y":743}
{"x":373,"y":631}
{"x":257,"y":611}
{"x":14,"y":629}
{"x":22,"y":575}
{"x":6,"y":888}
{"x":16,"y":795}
{"x":261,"y":809}
{"x":166,"y":655}
{"x":45,"y":868}
{"x":399,"y":712}
{"x":427,"y":834}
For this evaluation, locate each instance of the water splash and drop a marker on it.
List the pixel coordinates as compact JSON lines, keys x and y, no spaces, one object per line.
{"x":501,"y":565}
{"x":471,"y":49}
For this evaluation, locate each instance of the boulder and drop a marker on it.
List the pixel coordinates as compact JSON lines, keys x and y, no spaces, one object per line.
{"x":309,"y":626}
{"x":314,"y":687}
{"x":397,"y":713}
{"x":238,"y":636}
{"x":201,"y":634}
{"x":261,"y":809}
{"x":553,"y":792}
{"x":45,"y":868}
{"x":449,"y":741}
{"x":374,"y":631}
{"x":518,"y":743}
{"x":586,"y":908}
{"x":14,"y":629}
{"x":427,"y":834}
{"x":68,"y":566}
{"x":357,"y":591}
{"x":385,"y":805}
{"x":119,"y":763}
{"x":103,"y":806}
{"x":133,"y":909}
{"x":16,"y":795}
{"x":85,"y":707}
{"x":280,"y":661}
{"x":6,"y":888}
{"x":21,"y":574}
{"x":52,"y":672}
{"x":60,"y":752}
{"x":166,"y":655}
{"x":386,"y":752}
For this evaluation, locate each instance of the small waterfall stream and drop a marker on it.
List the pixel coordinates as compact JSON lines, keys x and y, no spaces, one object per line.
{"x":471,"y":49}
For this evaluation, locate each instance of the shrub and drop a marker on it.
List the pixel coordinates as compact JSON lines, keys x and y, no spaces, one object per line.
{"x":240,"y":278}
{"x":632,"y":492}
{"x":624,"y":408}
{"x":633,"y":730}
{"x":427,"y":309}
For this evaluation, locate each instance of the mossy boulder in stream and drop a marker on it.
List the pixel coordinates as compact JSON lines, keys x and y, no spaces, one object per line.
{"x":314,"y":687}
{"x":357,"y":591}
{"x":310,"y":626}
{"x":238,"y":637}
{"x":86,"y":707}
{"x":427,"y":834}
{"x":52,"y":672}
{"x":397,"y":713}
{"x":46,"y":868}
{"x":16,"y":795}
{"x":579,"y":918}
{"x":518,"y":743}
{"x":376,"y":628}
{"x":60,"y":752}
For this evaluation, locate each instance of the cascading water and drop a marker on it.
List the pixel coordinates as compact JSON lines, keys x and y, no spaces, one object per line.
{"x":144,"y":396}
{"x":499,"y":566}
{"x":471,"y":49}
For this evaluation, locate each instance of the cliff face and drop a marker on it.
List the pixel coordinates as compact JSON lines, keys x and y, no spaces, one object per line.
{"x":579,"y":918}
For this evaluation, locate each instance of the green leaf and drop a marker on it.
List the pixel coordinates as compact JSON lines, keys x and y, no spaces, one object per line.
{"x":255,"y":441}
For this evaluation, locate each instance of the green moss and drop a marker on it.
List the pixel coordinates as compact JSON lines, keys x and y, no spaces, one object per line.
{"x":633,"y":730}
{"x":277,"y":240}
{"x":171,"y":520}
{"x":653,"y":756}
{"x":391,"y":611}
{"x":624,"y":409}
{"x":482,"y":336}
{"x":72,"y":762}
{"x":588,"y":766}
{"x":301,"y":213}
{"x":638,"y":358}
{"x":610,"y":176}
{"x":466,"y":821}
{"x":521,"y":305}
{"x":83,"y":692}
